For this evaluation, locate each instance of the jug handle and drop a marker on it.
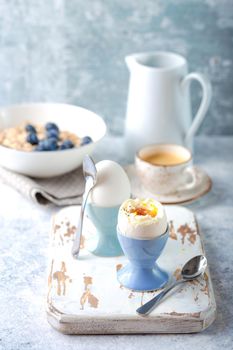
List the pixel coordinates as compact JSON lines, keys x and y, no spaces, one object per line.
{"x":205,"y":102}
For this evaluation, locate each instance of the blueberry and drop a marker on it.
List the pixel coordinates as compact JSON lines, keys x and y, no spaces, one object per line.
{"x":51,"y":144}
{"x":86,"y":140}
{"x":52,"y":133}
{"x":30,"y":128}
{"x":49,"y":126}
{"x":47,"y":145}
{"x":51,"y":140}
{"x":39,"y":148}
{"x":67,"y":144}
{"x":32,"y":138}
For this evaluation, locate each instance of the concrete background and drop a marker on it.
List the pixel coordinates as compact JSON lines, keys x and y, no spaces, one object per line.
{"x":73,"y":51}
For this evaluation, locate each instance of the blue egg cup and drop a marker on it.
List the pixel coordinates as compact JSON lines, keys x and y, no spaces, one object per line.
{"x":105,"y":221}
{"x":142,"y":273}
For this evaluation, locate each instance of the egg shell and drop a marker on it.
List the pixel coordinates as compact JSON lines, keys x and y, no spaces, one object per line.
{"x":142,"y":227}
{"x":112,"y":187}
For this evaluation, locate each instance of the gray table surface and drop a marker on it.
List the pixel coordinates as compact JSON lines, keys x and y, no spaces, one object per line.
{"x":23,"y":259}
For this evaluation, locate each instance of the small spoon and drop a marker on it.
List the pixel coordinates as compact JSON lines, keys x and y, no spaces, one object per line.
{"x":90,"y":174}
{"x":194,"y":268}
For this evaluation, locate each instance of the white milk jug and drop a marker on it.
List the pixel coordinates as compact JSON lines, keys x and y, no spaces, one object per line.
{"x":159,"y":108}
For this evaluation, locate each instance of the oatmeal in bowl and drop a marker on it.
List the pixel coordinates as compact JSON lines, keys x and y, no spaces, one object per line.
{"x":47,"y":139}
{"x":38,"y":137}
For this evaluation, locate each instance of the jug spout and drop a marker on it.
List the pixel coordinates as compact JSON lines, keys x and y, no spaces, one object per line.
{"x":130,"y":61}
{"x":137,"y":60}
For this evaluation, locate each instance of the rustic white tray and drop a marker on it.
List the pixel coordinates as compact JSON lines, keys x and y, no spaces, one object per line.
{"x":84,"y":296}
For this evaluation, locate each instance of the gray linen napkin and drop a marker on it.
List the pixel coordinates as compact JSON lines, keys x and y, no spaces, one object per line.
{"x":61,"y":190}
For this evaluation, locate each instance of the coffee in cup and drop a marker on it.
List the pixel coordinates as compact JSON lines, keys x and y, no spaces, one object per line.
{"x":165,"y":168}
{"x":166,"y":158}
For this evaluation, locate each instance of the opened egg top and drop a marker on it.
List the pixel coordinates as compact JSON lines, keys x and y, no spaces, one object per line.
{"x":142,"y":218}
{"x":112,"y":187}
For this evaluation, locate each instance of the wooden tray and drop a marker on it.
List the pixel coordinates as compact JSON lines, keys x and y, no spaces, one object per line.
{"x":84,"y":296}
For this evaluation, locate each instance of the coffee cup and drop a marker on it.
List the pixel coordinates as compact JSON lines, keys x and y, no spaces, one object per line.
{"x":165,"y":169}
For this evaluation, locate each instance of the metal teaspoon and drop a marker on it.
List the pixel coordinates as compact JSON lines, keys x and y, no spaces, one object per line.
{"x":194,"y":268}
{"x":90,"y":175}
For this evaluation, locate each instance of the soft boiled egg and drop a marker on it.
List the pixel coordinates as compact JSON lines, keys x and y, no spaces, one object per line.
{"x":142,"y":218}
{"x":112,"y":186}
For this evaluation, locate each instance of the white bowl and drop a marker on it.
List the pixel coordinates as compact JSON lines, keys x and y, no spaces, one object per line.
{"x":78,"y":120}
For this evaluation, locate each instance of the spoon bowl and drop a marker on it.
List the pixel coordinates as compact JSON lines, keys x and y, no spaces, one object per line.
{"x":193,"y":268}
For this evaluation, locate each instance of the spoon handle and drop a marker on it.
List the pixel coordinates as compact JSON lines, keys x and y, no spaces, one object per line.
{"x":77,"y":239}
{"x":151,"y":304}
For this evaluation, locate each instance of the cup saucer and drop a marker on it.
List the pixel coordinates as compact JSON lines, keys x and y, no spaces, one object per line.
{"x":202,"y":186}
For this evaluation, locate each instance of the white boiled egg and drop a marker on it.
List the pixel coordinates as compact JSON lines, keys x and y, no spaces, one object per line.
{"x":112,"y":186}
